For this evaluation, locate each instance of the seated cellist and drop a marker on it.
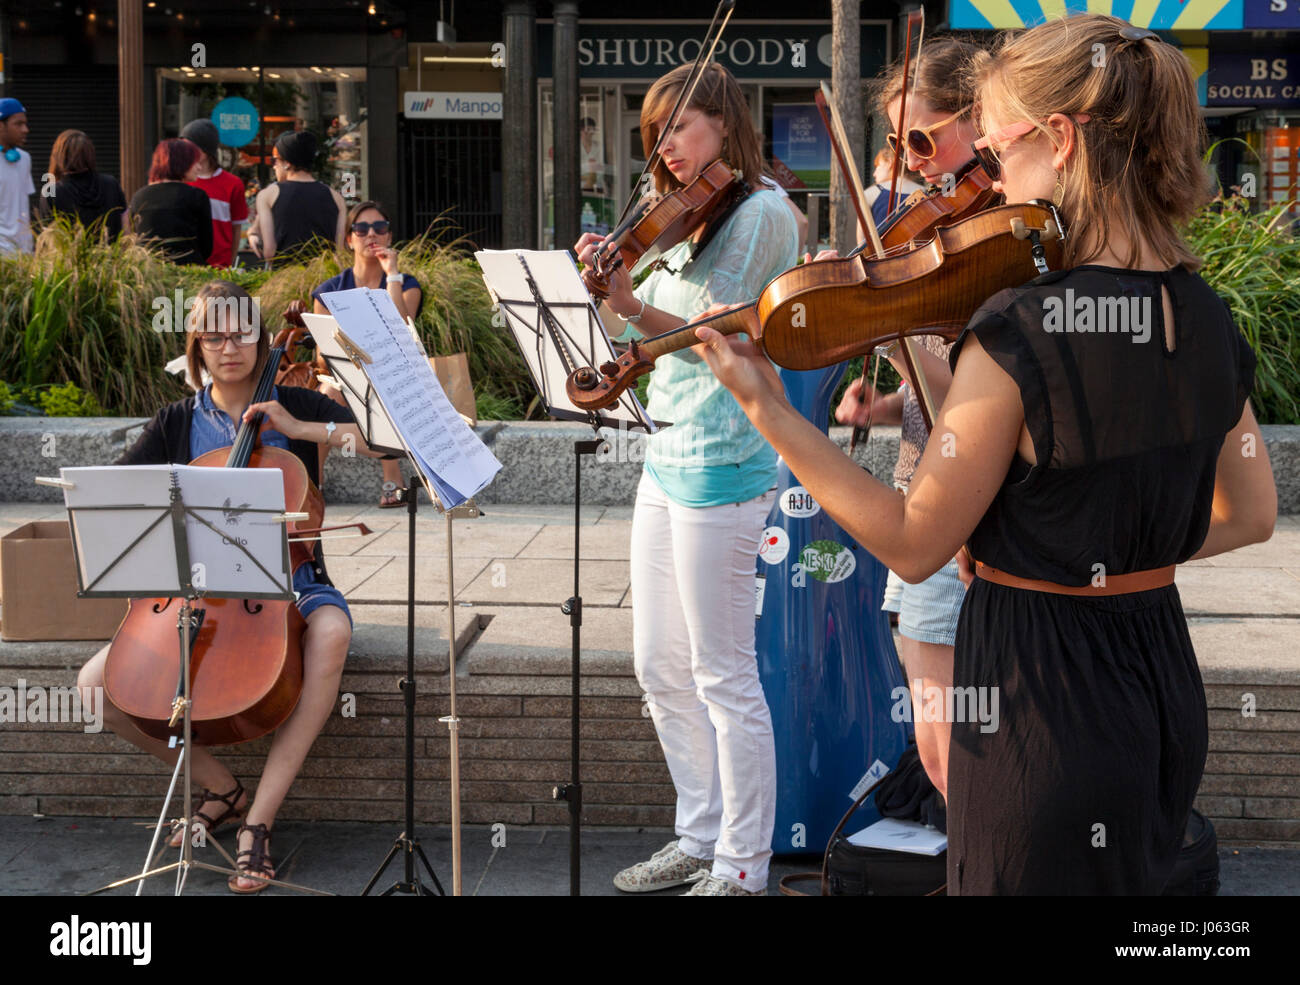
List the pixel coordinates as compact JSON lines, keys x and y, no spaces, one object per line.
{"x":233,"y":347}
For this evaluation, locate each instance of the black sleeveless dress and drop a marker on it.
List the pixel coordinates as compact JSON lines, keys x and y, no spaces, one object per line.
{"x":1085,"y":784}
{"x":306,"y":218}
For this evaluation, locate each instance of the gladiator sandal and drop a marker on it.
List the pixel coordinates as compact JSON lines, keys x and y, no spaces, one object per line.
{"x":231,"y":813}
{"x":255,"y":861}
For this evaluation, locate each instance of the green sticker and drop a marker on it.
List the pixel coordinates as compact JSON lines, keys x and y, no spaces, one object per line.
{"x":828,"y":561}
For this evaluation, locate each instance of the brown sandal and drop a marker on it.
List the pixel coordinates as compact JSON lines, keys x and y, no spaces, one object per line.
{"x":231,"y":813}
{"x":255,"y":861}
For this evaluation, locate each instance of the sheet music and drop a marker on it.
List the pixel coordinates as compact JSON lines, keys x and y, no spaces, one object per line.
{"x":222,"y":560}
{"x":506,"y":274}
{"x":444,"y":448}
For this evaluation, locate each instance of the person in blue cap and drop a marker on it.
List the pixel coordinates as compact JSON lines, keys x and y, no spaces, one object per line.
{"x":16,"y":186}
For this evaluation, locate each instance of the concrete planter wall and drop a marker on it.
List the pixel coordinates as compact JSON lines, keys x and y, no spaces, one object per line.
{"x":537,"y":459}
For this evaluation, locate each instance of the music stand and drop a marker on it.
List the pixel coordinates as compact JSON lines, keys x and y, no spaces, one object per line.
{"x":347,"y":364}
{"x":557,"y":329}
{"x":134,"y":535}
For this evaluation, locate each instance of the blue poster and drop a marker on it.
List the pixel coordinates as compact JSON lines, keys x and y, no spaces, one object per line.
{"x":800,"y":145}
{"x":236,"y":121}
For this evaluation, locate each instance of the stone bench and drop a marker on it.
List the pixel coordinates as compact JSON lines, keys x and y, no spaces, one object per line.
{"x":536,"y":457}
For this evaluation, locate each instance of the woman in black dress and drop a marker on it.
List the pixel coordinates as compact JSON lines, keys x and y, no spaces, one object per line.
{"x":1081,"y":466}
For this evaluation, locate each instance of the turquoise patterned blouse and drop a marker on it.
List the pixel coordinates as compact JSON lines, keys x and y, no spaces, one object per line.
{"x":710,"y":431}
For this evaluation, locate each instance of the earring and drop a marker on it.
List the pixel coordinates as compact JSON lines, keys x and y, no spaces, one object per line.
{"x":1058,"y":193}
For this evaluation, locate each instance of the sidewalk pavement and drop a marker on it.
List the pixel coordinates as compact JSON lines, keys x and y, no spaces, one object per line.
{"x":515,"y":563}
{"x":67,"y":856}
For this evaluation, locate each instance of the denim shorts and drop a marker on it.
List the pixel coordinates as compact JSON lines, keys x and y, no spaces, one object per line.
{"x":927,"y":611}
{"x":312,"y":594}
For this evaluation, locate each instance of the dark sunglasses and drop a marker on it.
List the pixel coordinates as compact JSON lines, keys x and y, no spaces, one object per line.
{"x":381,"y":227}
{"x":919,"y":141}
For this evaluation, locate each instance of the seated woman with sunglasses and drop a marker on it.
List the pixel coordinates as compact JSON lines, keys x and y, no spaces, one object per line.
{"x":1101,"y":433}
{"x":938,"y":143}
{"x":374,"y":265}
{"x":233,"y":355}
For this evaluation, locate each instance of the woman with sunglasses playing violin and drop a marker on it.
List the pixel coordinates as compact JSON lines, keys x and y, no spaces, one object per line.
{"x":227,"y":339}
{"x":374,"y":265}
{"x":937,"y":145}
{"x":1097,"y":432}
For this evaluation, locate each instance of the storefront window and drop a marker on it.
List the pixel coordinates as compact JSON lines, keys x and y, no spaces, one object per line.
{"x":1280,"y":153}
{"x":596,"y":165}
{"x":330,"y":102}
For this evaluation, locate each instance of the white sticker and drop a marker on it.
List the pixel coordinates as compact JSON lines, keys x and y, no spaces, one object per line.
{"x":760,"y":586}
{"x":797,"y":501}
{"x":775,"y":546}
{"x":869,"y":779}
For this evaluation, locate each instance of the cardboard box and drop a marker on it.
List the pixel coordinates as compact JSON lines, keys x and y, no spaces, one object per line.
{"x":38,"y":589}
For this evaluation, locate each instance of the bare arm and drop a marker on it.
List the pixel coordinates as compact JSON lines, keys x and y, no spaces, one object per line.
{"x":800,"y":220}
{"x":935,"y":368}
{"x":340,"y":227}
{"x":1245,"y":495}
{"x":914,"y":535}
{"x":264,"y":227}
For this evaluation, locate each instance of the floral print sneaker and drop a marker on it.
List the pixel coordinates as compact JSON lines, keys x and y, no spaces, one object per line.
{"x":668,"y":867}
{"x":706,"y":884}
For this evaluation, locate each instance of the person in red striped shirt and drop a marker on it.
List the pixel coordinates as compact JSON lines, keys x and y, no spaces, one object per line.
{"x":225,"y":193}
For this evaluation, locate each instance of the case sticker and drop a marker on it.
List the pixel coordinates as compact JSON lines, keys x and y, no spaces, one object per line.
{"x":775,"y":545}
{"x":797,"y":501}
{"x":869,"y":779}
{"x":828,"y":561}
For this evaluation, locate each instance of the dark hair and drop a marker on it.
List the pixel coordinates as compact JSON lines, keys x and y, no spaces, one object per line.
{"x":172,"y":159}
{"x":72,"y":153}
{"x":357,"y":209}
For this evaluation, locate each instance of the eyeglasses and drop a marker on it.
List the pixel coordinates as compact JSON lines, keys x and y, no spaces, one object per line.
{"x":381,"y":227}
{"x":217,"y":342}
{"x":919,"y":141}
{"x":1007,"y":136}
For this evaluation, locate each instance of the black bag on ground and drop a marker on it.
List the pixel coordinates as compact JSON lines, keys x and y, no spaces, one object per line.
{"x":1196,"y":871}
{"x":905,"y":793}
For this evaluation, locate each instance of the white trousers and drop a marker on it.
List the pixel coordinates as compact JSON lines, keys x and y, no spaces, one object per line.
{"x":693,"y":640}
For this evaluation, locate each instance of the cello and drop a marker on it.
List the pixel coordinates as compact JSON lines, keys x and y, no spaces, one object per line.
{"x":246,"y":661}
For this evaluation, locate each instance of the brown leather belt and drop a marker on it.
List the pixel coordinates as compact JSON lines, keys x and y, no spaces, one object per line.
{"x":1133,"y":581}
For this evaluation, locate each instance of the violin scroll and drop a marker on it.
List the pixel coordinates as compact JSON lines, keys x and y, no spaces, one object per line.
{"x":590,"y":390}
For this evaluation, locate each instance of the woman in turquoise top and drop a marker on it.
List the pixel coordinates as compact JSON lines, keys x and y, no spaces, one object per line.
{"x":700,"y":509}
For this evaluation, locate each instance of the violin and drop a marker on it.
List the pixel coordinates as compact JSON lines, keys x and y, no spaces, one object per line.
{"x":661,"y":222}
{"x":925,"y":211}
{"x":246,"y":655}
{"x":818,"y":314}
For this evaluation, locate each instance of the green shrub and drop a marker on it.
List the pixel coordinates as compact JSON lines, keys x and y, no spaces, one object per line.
{"x":1252,"y":260}
{"x":68,"y":400}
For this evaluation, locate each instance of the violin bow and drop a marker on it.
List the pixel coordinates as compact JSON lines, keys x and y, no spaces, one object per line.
{"x":297,"y":538}
{"x":702,"y":60}
{"x":913,"y":17}
{"x":849,"y":169}
{"x":824,"y":99}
